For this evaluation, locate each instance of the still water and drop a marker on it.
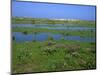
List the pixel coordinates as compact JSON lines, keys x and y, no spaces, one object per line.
{"x":21,"y":37}
{"x":54,"y":27}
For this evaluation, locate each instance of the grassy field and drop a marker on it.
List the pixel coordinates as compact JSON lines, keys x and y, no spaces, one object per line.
{"x":88,"y":33}
{"x":52,"y":56}
{"x":23,"y":20}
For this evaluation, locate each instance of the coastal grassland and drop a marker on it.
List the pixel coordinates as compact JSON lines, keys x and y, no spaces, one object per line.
{"x":85,"y":33}
{"x":52,"y":55}
{"x":22,"y":20}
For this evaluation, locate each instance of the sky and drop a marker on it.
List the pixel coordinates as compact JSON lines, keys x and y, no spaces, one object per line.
{"x":53,"y":11}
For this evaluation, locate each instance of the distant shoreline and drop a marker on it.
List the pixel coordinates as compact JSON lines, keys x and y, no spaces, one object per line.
{"x":27,"y":20}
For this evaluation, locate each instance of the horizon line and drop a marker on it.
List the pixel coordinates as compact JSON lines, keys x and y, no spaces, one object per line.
{"x":54,"y":18}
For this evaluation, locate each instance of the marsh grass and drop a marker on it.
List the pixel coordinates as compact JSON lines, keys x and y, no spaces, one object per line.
{"x":53,"y":55}
{"x":61,"y":55}
{"x":50,"y":38}
{"x":25,"y":32}
{"x":64,"y":32}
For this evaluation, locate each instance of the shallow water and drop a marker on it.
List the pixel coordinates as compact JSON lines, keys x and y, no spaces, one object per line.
{"x":54,"y":27}
{"x":21,"y":37}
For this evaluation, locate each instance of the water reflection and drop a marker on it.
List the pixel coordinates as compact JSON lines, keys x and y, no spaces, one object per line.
{"x":20,"y":37}
{"x":54,"y":27}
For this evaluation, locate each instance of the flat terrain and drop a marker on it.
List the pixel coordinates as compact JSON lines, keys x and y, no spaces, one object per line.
{"x":33,"y":55}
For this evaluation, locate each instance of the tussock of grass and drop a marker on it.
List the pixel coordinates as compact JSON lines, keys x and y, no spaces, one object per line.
{"x":61,"y":55}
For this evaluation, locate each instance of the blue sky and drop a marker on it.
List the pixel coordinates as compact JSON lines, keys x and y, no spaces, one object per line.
{"x":59,"y":11}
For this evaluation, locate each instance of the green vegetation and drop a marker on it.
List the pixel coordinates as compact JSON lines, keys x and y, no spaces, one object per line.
{"x":23,"y":20}
{"x":64,"y":32}
{"x":52,"y":56}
